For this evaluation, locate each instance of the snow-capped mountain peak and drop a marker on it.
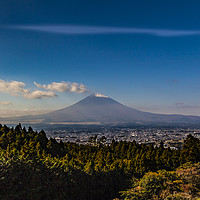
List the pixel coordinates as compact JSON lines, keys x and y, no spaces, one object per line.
{"x":100,"y":95}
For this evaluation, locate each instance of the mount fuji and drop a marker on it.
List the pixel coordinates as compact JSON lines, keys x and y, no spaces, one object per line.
{"x":101,"y":109}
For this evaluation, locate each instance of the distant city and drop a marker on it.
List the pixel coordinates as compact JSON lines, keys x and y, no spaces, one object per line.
{"x":171,"y":137}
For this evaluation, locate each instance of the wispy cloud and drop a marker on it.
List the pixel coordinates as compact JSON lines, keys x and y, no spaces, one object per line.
{"x":39,"y":94}
{"x":64,"y":86}
{"x":174,"y":108}
{"x":181,"y":105}
{"x":22,"y":112}
{"x":86,"y":30}
{"x":5,"y":103}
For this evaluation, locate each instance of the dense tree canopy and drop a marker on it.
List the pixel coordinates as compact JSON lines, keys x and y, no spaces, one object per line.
{"x":35,"y":167}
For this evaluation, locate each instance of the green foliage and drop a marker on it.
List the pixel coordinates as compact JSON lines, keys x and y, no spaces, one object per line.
{"x":181,"y":184}
{"x":35,"y":167}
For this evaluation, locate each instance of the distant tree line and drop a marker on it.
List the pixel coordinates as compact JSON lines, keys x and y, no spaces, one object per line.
{"x":35,"y":167}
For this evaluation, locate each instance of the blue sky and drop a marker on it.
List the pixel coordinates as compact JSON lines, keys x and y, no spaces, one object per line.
{"x":144,"y":54}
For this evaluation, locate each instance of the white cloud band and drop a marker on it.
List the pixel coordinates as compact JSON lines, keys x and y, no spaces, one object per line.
{"x":16,"y":88}
{"x":13,"y":88}
{"x":64,"y":86}
{"x":87,"y":30}
{"x":39,"y":94}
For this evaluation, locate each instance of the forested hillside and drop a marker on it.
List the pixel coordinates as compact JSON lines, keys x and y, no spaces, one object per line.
{"x":35,"y":167}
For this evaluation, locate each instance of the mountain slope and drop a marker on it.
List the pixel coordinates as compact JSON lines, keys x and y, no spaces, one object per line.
{"x":99,"y":108}
{"x":93,"y":108}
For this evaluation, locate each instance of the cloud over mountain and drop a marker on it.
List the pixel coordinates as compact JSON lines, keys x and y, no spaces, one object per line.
{"x":64,"y":86}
